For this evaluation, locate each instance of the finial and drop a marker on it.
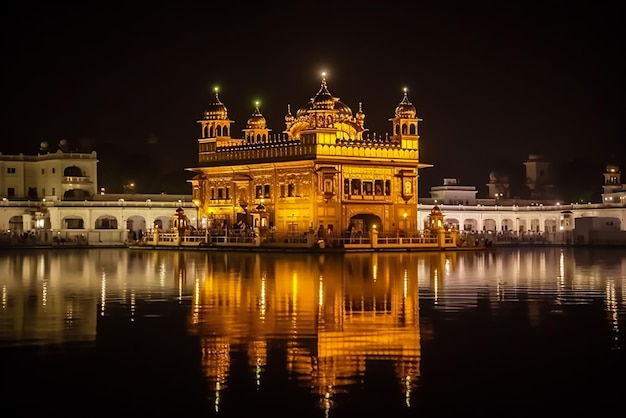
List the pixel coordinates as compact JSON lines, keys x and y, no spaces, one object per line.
{"x":361,"y":107}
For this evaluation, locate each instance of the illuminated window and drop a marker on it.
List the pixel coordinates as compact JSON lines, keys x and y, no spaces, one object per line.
{"x":266,"y":191}
{"x":356,"y":186}
{"x":367,"y":188}
{"x":259,"y":192}
{"x":378,"y":187}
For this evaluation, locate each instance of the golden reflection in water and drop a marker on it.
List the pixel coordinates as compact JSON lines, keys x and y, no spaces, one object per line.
{"x":334,"y":313}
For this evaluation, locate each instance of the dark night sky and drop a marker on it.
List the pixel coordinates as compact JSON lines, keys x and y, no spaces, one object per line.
{"x":491,"y":83}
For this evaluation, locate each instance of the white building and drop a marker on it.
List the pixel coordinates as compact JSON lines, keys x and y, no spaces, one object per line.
{"x":52,"y":197}
{"x":60,"y":175}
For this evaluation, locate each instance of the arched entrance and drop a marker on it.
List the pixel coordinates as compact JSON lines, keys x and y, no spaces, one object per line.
{"x":364,"y":222}
{"x":106,"y":222}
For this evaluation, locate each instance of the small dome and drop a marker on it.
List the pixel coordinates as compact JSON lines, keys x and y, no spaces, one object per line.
{"x":436,"y":211}
{"x":304,"y":110}
{"x":343,"y":109}
{"x":257,"y":120}
{"x":405,"y":109}
{"x":43,"y":145}
{"x":216,"y":110}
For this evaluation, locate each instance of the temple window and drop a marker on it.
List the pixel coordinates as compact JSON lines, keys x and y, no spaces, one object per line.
{"x":228,"y":193}
{"x":266,"y":191}
{"x":367,"y":188}
{"x":328,"y":185}
{"x":220,"y":193}
{"x":282,"y":190}
{"x":378,"y":187}
{"x":388,"y":187}
{"x":346,"y":186}
{"x":258,"y":191}
{"x":356,"y":186}
{"x":212,"y":193}
{"x":291,"y":190}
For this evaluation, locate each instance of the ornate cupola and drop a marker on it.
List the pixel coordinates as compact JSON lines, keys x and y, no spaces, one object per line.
{"x":256,"y":128}
{"x":215,"y":127}
{"x":322,"y":113}
{"x":325,"y":112}
{"x":405,"y":123}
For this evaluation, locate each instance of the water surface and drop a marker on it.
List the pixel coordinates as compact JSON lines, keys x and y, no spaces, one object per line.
{"x":508,"y":332}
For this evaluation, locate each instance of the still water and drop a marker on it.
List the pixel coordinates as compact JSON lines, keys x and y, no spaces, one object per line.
{"x":506,"y":332}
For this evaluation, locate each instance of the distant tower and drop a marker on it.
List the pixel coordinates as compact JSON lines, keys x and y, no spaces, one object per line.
{"x":215,"y":128}
{"x":498,"y":185}
{"x":405,"y":124}
{"x":613,"y":189}
{"x":539,"y":179}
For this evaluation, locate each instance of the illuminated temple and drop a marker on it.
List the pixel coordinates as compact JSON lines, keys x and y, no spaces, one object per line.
{"x":324,"y":170}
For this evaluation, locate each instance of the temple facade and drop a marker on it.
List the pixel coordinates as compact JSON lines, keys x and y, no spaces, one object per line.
{"x":323,"y":171}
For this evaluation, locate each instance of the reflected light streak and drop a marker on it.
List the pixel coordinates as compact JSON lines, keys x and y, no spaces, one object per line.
{"x":294,"y":290}
{"x":375,"y":271}
{"x":195,"y":315}
{"x":612,"y":309}
{"x":180,"y":287}
{"x":217,"y":397}
{"x":69,"y":310}
{"x":320,"y":293}
{"x":561,"y":278}
{"x":103,"y":293}
{"x":257,"y":373}
{"x":44,"y":293}
{"x":407,"y":392}
{"x":436,"y":289}
{"x":162,"y":273}
{"x":133,"y":306}
{"x":4,"y":297}
{"x":41,"y":267}
{"x":263,"y":297}
{"x":405,"y":284}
